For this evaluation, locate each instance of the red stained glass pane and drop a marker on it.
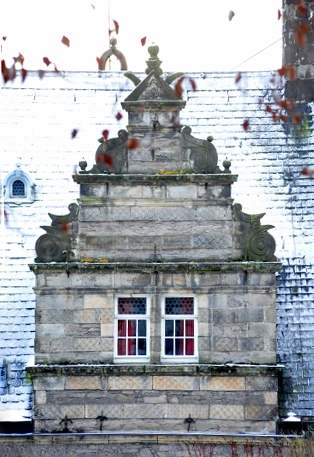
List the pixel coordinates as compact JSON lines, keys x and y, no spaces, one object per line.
{"x":189,"y":346}
{"x":121,"y":347}
{"x":189,"y":328}
{"x":131,"y":347}
{"x":121,"y":328}
{"x":131,"y":328}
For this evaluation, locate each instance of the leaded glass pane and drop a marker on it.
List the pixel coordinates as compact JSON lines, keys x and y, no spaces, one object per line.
{"x":18,"y":188}
{"x":179,"y":305}
{"x":131,"y":305}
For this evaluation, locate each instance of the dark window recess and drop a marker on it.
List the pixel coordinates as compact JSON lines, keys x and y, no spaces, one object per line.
{"x":18,"y":188}
{"x":179,"y":305}
{"x":130,"y":305}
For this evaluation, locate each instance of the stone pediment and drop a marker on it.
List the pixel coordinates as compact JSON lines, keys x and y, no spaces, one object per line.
{"x":153,"y":87}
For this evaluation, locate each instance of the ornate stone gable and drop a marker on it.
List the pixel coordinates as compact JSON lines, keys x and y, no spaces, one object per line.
{"x":162,"y":282}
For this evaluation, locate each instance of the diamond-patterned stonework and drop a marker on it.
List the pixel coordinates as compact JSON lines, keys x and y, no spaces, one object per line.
{"x":129,"y":382}
{"x":223,"y":383}
{"x":175,"y":383}
{"x":227,"y":412}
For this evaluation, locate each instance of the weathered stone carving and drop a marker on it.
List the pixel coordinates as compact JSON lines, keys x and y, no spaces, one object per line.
{"x":203,"y":157}
{"x":259,"y":245}
{"x":55,"y":245}
{"x":113,"y":51}
{"x":111,"y":154}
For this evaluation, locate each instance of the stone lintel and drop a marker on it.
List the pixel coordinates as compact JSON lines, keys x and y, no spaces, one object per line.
{"x":175,"y":267}
{"x":157,"y":179}
{"x":153,"y":105}
{"x":139,"y":370}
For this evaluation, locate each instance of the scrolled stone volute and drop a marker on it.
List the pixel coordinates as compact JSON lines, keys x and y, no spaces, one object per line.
{"x":203,"y":156}
{"x":112,"y":154}
{"x":257,"y":243}
{"x":58,"y":243}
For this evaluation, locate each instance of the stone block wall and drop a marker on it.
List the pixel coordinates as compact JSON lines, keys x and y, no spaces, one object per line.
{"x":236,"y":309}
{"x":233,"y":399}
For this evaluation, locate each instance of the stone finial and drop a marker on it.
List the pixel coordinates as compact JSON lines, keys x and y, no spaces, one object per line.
{"x":113,"y":51}
{"x":153,"y":63}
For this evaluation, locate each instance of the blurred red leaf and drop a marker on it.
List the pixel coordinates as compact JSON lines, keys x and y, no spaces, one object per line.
{"x":301,"y":33}
{"x":93,"y":6}
{"x":287,"y":70}
{"x":290,"y":104}
{"x":100,"y":62}
{"x":105,"y":134}
{"x":65,"y":41}
{"x":246,"y":125}
{"x":24,"y":73}
{"x":238,"y":77}
{"x":302,"y":9}
{"x":193,"y":83}
{"x":119,"y":116}
{"x":41,"y":74}
{"x":178,"y":87}
{"x":46,"y":61}
{"x":296,"y":119}
{"x":116,"y":26}
{"x":279,"y":15}
{"x":74,"y":133}
{"x":107,"y":159}
{"x":268,"y":109}
{"x":4,"y":38}
{"x":307,"y":172}
{"x":132,"y":143}
{"x":65,"y":227}
{"x":283,"y":118}
{"x":75,"y":170}
{"x":143,"y":41}
{"x":56,"y":69}
{"x":8,"y":74}
{"x":230,"y":15}
{"x":19,"y":59}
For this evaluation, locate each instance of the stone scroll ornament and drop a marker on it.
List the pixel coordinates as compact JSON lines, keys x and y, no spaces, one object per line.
{"x":203,"y":157}
{"x":55,"y":245}
{"x":111,"y":155}
{"x":259,"y":245}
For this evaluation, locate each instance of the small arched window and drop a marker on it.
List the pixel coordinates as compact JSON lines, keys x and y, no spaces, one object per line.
{"x":18,"y":187}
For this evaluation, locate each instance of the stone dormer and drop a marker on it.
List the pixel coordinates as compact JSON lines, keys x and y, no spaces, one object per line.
{"x":161,"y":281}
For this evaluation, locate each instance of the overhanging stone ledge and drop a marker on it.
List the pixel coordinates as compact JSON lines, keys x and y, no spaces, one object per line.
{"x":167,"y":178}
{"x":175,"y":267}
{"x":153,"y":369}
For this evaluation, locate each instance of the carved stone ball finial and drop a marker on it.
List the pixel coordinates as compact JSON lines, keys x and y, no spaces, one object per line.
{"x":113,"y":42}
{"x":153,"y":63}
{"x":227,"y":164}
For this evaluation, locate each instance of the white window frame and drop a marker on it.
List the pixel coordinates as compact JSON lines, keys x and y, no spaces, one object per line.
{"x":138,"y":358}
{"x":164,"y":317}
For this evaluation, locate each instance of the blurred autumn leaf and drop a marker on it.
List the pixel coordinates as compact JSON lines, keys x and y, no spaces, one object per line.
{"x":307,"y":172}
{"x":246,"y":125}
{"x":301,"y":33}
{"x":105,"y":134}
{"x":132,"y":143}
{"x":231,"y":15}
{"x":46,"y":61}
{"x":65,"y":41}
{"x":74,"y":133}
{"x":119,"y":116}
{"x":143,"y":41}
